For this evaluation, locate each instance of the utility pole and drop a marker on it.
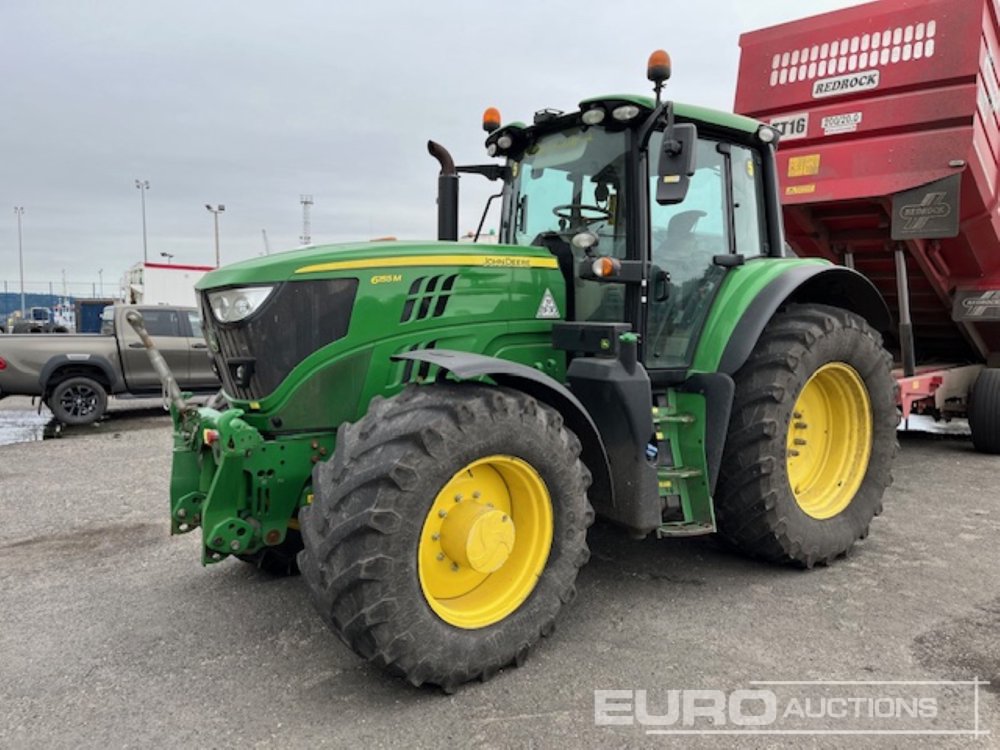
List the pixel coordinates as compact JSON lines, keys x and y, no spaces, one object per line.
{"x":215,"y":211}
{"x":19,"y":211}
{"x":307,"y":203}
{"x":143,"y":186}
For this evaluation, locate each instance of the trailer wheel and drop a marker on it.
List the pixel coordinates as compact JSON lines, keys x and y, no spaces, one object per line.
{"x":447,"y":531}
{"x":984,"y":412}
{"x":78,"y":400}
{"x":811,"y":440}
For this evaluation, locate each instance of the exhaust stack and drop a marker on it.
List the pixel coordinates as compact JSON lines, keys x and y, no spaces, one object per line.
{"x":447,"y":192}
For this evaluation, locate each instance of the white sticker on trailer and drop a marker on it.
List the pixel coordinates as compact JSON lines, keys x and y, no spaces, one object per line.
{"x":791,"y":127}
{"x":836,"y":124}
{"x":849,"y":84}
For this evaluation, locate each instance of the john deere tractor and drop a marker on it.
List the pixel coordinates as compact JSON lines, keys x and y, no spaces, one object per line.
{"x":426,"y":429}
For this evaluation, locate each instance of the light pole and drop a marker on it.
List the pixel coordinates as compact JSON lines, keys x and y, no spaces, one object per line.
{"x":100,"y":279}
{"x":215,"y":211}
{"x":143,"y":186}
{"x":19,"y":211}
{"x":168,"y":256}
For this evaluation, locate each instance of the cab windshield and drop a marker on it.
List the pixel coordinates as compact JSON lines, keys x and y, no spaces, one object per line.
{"x":569,"y":182}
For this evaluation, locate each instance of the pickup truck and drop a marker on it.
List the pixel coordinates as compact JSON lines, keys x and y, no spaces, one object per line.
{"x":75,"y":373}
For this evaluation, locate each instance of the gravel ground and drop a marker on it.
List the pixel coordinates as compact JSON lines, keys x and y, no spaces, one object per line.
{"x":112,"y":635}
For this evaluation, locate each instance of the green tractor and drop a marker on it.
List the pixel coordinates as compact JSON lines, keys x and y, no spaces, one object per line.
{"x":426,"y":429}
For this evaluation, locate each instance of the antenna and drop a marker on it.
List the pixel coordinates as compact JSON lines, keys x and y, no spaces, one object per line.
{"x":267,"y":245}
{"x":307,"y":203}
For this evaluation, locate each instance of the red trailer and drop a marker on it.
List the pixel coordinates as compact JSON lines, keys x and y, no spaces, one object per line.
{"x":889,"y":115}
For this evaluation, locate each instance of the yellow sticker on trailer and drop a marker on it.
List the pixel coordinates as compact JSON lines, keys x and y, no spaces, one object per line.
{"x":801,"y":189}
{"x":804,"y":166}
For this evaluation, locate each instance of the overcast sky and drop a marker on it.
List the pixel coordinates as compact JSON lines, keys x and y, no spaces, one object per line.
{"x":252,"y":103}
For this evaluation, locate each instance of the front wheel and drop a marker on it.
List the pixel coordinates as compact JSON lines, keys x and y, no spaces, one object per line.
{"x":447,"y":530}
{"x":811,"y":440}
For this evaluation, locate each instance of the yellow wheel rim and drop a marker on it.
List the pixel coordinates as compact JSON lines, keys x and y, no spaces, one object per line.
{"x":485,"y":542}
{"x":829,"y":440}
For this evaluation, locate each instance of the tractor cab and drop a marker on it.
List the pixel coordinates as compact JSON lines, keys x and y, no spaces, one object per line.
{"x":645,"y":204}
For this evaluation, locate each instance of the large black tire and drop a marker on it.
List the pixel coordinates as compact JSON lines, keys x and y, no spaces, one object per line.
{"x":756,"y":508}
{"x":280,"y":559}
{"x":984,"y":412}
{"x":362,"y":531}
{"x":78,"y":400}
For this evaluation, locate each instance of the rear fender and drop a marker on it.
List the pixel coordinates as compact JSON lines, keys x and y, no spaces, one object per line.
{"x":467,"y":366}
{"x":813,"y":283}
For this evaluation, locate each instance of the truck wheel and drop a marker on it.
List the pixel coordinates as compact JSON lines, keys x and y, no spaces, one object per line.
{"x":447,"y":531}
{"x":279,"y":560}
{"x":984,"y":412}
{"x":811,"y":440}
{"x":78,"y":400}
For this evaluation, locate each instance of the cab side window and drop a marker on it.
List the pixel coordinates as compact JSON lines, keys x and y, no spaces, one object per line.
{"x":748,"y":202}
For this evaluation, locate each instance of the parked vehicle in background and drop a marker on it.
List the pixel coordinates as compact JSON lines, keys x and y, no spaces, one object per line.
{"x":38,"y":320}
{"x":162,"y":283}
{"x":74,"y":374}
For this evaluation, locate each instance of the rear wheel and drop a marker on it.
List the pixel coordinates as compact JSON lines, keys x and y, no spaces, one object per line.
{"x":447,"y":531}
{"x":78,"y":400}
{"x":984,"y":412}
{"x":811,"y":439}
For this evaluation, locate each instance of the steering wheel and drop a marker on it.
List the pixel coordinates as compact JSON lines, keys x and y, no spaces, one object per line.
{"x":571,"y":211}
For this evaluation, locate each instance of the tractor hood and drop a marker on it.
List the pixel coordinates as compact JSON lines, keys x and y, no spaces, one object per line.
{"x":371,"y":257}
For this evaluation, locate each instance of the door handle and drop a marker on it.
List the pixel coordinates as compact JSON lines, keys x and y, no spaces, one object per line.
{"x":661,"y":285}
{"x":137,"y":345}
{"x":199,"y":346}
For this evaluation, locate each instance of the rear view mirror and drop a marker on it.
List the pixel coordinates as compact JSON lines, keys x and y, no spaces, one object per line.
{"x":676,"y":164}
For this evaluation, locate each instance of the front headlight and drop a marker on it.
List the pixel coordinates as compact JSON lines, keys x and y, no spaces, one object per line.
{"x":232,"y":305}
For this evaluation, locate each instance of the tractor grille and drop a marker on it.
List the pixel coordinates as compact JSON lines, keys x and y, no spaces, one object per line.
{"x":254,"y":355}
{"x":427,"y":298}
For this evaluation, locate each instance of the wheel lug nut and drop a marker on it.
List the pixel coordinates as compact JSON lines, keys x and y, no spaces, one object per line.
{"x":442,"y":514}
{"x":799,"y":441}
{"x":797,"y":415}
{"x":476,"y":495}
{"x":458,"y":498}
{"x":454,"y":567}
{"x":800,"y":425}
{"x":793,"y":453}
{"x":435,"y":537}
{"x":440,"y":555}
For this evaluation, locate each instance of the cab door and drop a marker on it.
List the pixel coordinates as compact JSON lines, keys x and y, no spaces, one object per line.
{"x":693,"y":244}
{"x":164,"y":327}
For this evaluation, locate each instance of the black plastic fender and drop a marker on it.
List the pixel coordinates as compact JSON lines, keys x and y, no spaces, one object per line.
{"x":825,"y":285}
{"x":538,"y":385}
{"x":81,"y":362}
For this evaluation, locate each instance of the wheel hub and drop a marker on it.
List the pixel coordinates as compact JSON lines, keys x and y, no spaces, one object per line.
{"x":477,"y":536}
{"x":474,"y":568}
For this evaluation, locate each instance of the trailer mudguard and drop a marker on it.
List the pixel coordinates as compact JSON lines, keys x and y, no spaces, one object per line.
{"x":803,"y":282}
{"x":466,"y":366}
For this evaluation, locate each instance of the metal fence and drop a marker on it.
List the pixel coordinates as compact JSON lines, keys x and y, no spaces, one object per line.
{"x":78,"y":289}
